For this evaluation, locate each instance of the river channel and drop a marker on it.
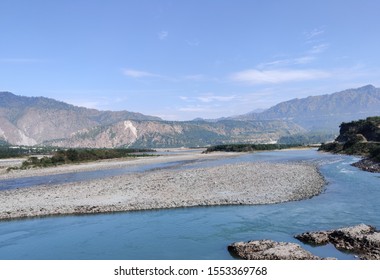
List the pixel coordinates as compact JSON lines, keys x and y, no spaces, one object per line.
{"x":351,"y":196}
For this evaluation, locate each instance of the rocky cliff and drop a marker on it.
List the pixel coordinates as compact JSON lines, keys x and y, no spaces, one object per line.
{"x":362,"y":138}
{"x":363,"y":130}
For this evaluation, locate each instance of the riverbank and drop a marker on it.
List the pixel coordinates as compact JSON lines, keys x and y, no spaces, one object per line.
{"x":368,"y":165}
{"x":232,"y":184}
{"x":175,"y":155}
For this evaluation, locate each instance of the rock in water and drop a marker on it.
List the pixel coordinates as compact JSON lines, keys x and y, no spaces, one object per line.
{"x":269,"y":250}
{"x":363,"y":240}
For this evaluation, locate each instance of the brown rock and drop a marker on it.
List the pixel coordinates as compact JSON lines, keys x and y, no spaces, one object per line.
{"x":362,"y":240}
{"x":270,"y":250}
{"x":314,"y":238}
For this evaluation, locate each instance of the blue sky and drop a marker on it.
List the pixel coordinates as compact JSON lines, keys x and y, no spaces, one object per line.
{"x":182,"y":59}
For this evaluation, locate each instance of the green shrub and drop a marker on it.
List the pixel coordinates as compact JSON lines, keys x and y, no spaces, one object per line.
{"x":81,"y":155}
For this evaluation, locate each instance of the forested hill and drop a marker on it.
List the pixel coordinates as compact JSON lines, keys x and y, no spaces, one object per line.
{"x":360,"y":137}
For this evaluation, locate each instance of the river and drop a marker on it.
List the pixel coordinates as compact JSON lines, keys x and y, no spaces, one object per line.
{"x":351,"y":196}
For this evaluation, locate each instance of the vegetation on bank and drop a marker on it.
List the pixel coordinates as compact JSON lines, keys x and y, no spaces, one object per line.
{"x":360,"y":137}
{"x":61,"y":157}
{"x":307,"y":138}
{"x":248,"y":147}
{"x":3,"y":142}
{"x":8,"y":151}
{"x":353,"y":147}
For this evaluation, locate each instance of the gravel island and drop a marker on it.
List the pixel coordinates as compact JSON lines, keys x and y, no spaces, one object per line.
{"x":231,"y":184}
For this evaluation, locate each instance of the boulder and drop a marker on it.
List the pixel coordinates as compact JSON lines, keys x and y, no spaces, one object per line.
{"x":363,"y":240}
{"x":269,"y":250}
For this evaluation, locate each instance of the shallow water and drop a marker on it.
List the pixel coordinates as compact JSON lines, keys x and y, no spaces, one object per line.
{"x":73,"y":177}
{"x":351,"y":197}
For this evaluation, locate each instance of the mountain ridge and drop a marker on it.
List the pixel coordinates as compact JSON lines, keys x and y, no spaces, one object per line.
{"x":32,"y":120}
{"x":161,"y":134}
{"x":46,"y":121}
{"x":324,"y":112}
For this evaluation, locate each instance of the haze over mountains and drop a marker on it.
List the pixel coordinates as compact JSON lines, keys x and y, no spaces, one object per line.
{"x":33,"y":120}
{"x":44,"y":121}
{"x":324,"y":112}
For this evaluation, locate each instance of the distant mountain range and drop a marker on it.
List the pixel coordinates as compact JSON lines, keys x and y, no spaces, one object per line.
{"x":45,"y":121}
{"x":33,"y":120}
{"x":324,"y":112}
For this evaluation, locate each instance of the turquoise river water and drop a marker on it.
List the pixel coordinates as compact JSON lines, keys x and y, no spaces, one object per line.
{"x":351,"y":196}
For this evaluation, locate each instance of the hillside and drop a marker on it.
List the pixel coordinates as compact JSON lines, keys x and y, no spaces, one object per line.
{"x":32,"y":120}
{"x":131,"y":133}
{"x":40,"y":120}
{"x":324,"y":112}
{"x":362,"y":138}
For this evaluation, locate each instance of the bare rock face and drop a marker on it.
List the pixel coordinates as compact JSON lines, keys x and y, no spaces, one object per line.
{"x":361,"y":239}
{"x":270,"y":250}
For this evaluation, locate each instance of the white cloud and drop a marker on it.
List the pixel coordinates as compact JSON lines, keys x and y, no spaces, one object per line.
{"x":304,"y":59}
{"x":133,"y":73}
{"x":194,"y":109}
{"x":138,"y":74}
{"x":319,"y":48}
{"x":287,"y":62}
{"x":212,"y":98}
{"x":162,"y":35}
{"x":314,"y":33}
{"x":207,"y":98}
{"x":184,"y":98}
{"x":254,"y":76}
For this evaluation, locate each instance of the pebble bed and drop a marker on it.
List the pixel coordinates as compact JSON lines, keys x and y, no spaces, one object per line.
{"x":231,"y":184}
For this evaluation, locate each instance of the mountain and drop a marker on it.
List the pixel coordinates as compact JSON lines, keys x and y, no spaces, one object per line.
{"x":45,"y":121}
{"x":156,"y":134}
{"x":324,"y":112}
{"x":40,"y":120}
{"x":32,"y":120}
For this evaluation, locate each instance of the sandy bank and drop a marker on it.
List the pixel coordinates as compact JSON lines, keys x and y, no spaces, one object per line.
{"x":246,"y":183}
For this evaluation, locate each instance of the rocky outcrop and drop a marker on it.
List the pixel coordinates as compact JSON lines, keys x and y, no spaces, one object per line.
{"x":270,"y":250}
{"x":360,"y":131}
{"x":367,"y":164}
{"x":363,"y":240}
{"x":361,"y":138}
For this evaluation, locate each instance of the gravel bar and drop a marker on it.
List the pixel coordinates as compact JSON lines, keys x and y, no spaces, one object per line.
{"x":230,"y":184}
